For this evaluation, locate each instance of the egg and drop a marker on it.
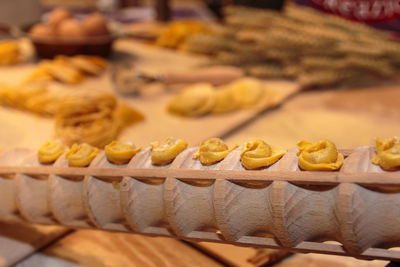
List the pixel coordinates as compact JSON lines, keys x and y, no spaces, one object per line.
{"x":58,"y":15}
{"x":70,"y":28}
{"x":95,"y":24}
{"x":42,"y":30}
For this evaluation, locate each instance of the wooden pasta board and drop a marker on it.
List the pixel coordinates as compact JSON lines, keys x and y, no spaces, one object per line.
{"x":22,"y":129}
{"x":298,"y":124}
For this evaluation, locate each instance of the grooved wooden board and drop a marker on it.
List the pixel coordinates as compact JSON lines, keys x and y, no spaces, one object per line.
{"x":189,"y":210}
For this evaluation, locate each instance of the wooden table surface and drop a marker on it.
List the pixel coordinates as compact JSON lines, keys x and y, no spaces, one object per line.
{"x":349,"y":116}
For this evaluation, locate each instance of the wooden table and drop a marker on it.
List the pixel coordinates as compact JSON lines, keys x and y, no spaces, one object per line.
{"x":349,"y":117}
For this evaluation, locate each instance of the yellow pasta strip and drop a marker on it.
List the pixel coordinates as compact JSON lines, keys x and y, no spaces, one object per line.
{"x":388,"y":153}
{"x":50,"y":151}
{"x":321,"y":156}
{"x":119,"y":154}
{"x":259,"y":154}
{"x":247,"y":92}
{"x":165,"y":152}
{"x":224,"y":101}
{"x":212,"y":151}
{"x":9,"y":53}
{"x":81,"y":155}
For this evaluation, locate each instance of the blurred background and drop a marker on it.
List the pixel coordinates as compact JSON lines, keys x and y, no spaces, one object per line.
{"x":94,"y":71}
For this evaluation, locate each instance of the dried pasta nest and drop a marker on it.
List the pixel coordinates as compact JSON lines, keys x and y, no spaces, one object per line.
{"x":89,"y":116}
{"x":95,"y":119}
{"x":69,"y":70}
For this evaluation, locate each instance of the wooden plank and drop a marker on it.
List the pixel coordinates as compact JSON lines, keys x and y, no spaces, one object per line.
{"x":312,"y":260}
{"x":229,"y":254}
{"x":41,"y":259}
{"x":95,"y":248}
{"x":18,"y":240}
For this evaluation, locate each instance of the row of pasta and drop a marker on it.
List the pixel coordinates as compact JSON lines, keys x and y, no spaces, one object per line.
{"x":257,"y":154}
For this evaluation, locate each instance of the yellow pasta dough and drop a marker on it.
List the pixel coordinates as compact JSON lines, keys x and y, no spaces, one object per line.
{"x":203,"y":98}
{"x":165,"y":152}
{"x":85,"y":64}
{"x":62,"y":72}
{"x":224,"y":101}
{"x":94,"y":118}
{"x":9,"y":53}
{"x":50,"y":151}
{"x":177,"y":33}
{"x":81,"y":155}
{"x":196,"y":100}
{"x":119,"y":153}
{"x":388,"y":153}
{"x":321,"y":156}
{"x":39,"y":74}
{"x":212,"y":151}
{"x":258,"y":154}
{"x":247,"y":92}
{"x":70,"y":70}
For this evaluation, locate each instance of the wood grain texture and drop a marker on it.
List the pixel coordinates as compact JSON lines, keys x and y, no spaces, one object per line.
{"x":142,"y":199}
{"x":228,"y":254}
{"x":94,"y":248}
{"x":65,"y":197}
{"x":101,"y":198}
{"x":41,"y":259}
{"x":314,"y":260}
{"x":19,"y":239}
{"x":8,"y":207}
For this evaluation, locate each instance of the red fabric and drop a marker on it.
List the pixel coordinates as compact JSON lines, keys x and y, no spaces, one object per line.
{"x":383,"y":14}
{"x":362,"y":10}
